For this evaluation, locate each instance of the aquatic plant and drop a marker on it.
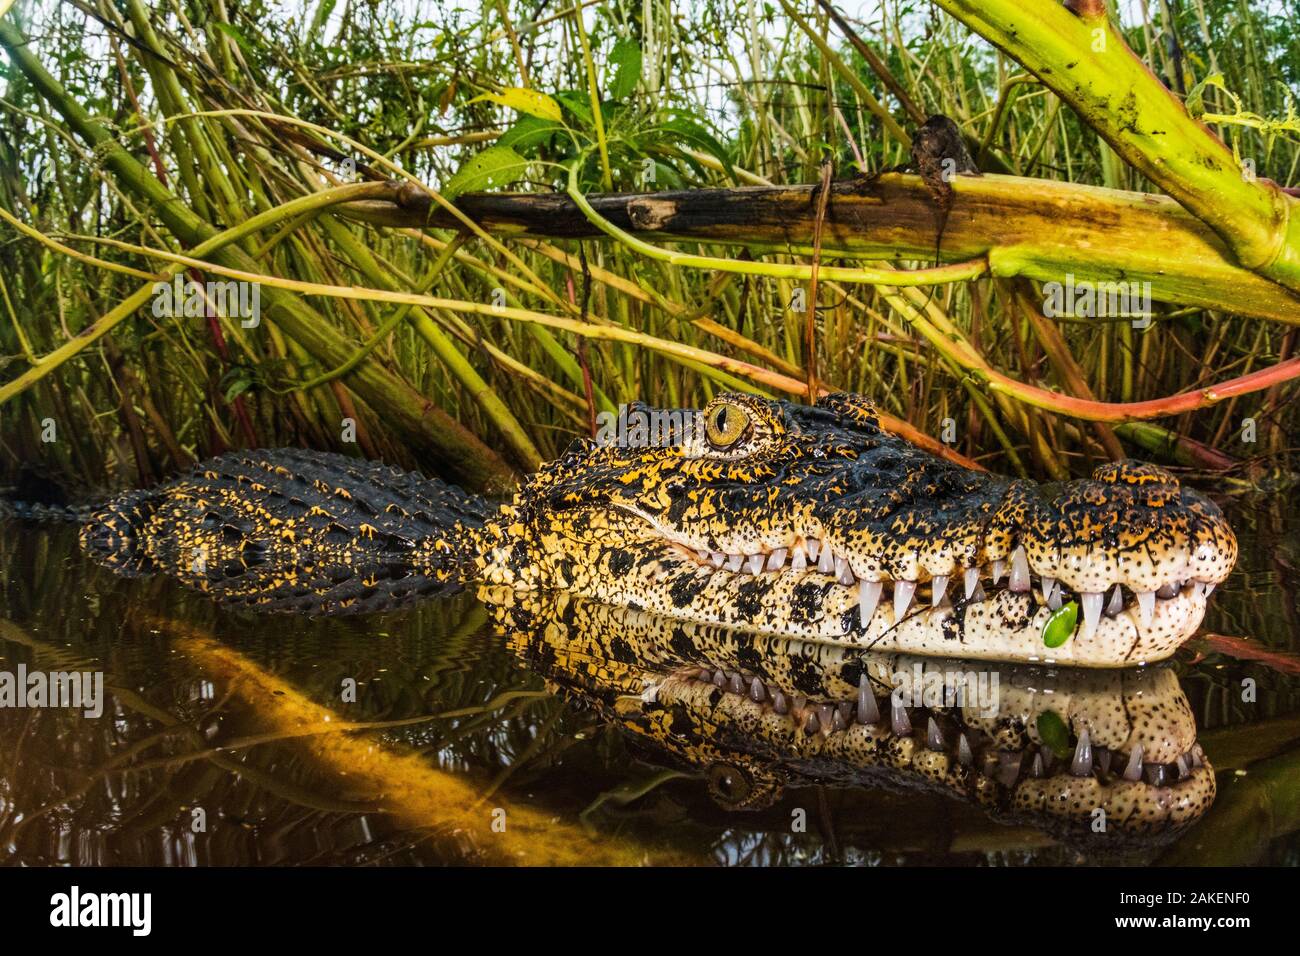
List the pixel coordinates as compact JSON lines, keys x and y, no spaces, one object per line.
{"x":333,"y":160}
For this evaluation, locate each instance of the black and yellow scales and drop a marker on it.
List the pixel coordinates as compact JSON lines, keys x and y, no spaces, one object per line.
{"x":774,"y":519}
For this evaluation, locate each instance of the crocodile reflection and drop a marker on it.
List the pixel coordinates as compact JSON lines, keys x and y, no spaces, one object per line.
{"x":1103,"y":757}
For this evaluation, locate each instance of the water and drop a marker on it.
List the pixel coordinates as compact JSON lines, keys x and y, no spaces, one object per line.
{"x":220,"y":741}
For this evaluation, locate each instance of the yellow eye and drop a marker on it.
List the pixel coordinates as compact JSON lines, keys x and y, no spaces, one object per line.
{"x":726,"y":425}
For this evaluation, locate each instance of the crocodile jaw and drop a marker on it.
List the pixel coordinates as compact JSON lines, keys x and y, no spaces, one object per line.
{"x":625,"y":558}
{"x":827,"y":528}
{"x":1005,"y":626}
{"x":859,"y":752}
{"x":778,"y":711}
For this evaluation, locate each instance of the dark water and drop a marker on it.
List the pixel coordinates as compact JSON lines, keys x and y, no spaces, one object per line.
{"x":213,"y":747}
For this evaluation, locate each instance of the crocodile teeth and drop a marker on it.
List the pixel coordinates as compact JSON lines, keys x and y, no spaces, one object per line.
{"x":702,"y":555}
{"x":798,"y":558}
{"x":1103,"y":756}
{"x":717,"y":559}
{"x":826,"y":715}
{"x":825,"y":559}
{"x":754,"y":563}
{"x":737,"y":684}
{"x":999,"y":568}
{"x":898,"y":719}
{"x":1081,"y":766}
{"x":1116,"y":602}
{"x":720,"y":679}
{"x":1036,"y":768}
{"x":1019,"y":581}
{"x":757,"y":692}
{"x":971,"y":580}
{"x":1051,"y":595}
{"x":1146,"y":606}
{"x":842,"y":572}
{"x":1167,"y":591}
{"x":812,"y":546}
{"x":1134,"y":769}
{"x":811,"y":724}
{"x":1183,"y":769}
{"x":1091,"y":602}
{"x":938,"y":588}
{"x":868,"y":598}
{"x":868,"y":711}
{"x":903,"y":592}
{"x":776,"y":560}
{"x":837,"y":720}
{"x":779,"y":703}
{"x":964,"y":755}
{"x":933,"y":736}
{"x":734,"y":562}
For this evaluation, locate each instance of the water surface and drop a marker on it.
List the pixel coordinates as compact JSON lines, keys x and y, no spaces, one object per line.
{"x":213,"y":747}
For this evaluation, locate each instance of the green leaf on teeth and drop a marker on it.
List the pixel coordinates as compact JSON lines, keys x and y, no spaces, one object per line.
{"x":1060,"y":625}
{"x":1052,"y":731}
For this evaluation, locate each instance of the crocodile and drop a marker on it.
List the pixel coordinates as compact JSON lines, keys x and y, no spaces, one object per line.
{"x":804,"y":521}
{"x":1104,"y":760}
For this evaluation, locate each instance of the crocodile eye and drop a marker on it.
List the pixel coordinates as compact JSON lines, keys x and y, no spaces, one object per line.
{"x":726,"y":425}
{"x":729,"y":785}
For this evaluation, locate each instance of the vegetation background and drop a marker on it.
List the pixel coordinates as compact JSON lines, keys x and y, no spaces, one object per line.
{"x":703,"y":93}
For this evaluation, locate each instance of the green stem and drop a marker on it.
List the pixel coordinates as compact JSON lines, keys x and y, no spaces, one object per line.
{"x":465,"y":456}
{"x":593,"y":93}
{"x":1084,"y":59}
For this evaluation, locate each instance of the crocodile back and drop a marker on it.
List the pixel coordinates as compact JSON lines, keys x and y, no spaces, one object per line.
{"x":297,"y":531}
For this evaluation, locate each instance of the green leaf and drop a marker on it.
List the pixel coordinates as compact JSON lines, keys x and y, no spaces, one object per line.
{"x":1195,"y":102}
{"x":696,"y":136}
{"x":1060,"y":624}
{"x":579,"y":104}
{"x":236,"y":382}
{"x":528,"y":134}
{"x":235,"y":35}
{"x":495,"y":166}
{"x":323,"y":11}
{"x":525,"y":101}
{"x":626,"y":60}
{"x":668,"y":178}
{"x":1053,"y":733}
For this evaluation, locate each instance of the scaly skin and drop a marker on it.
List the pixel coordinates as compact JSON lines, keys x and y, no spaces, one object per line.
{"x":779,"y":519}
{"x":291,"y":530}
{"x":755,"y":714}
{"x":814,"y":523}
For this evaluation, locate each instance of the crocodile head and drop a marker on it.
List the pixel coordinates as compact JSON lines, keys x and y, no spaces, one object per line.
{"x":813,"y":522}
{"x":1104,"y":759}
